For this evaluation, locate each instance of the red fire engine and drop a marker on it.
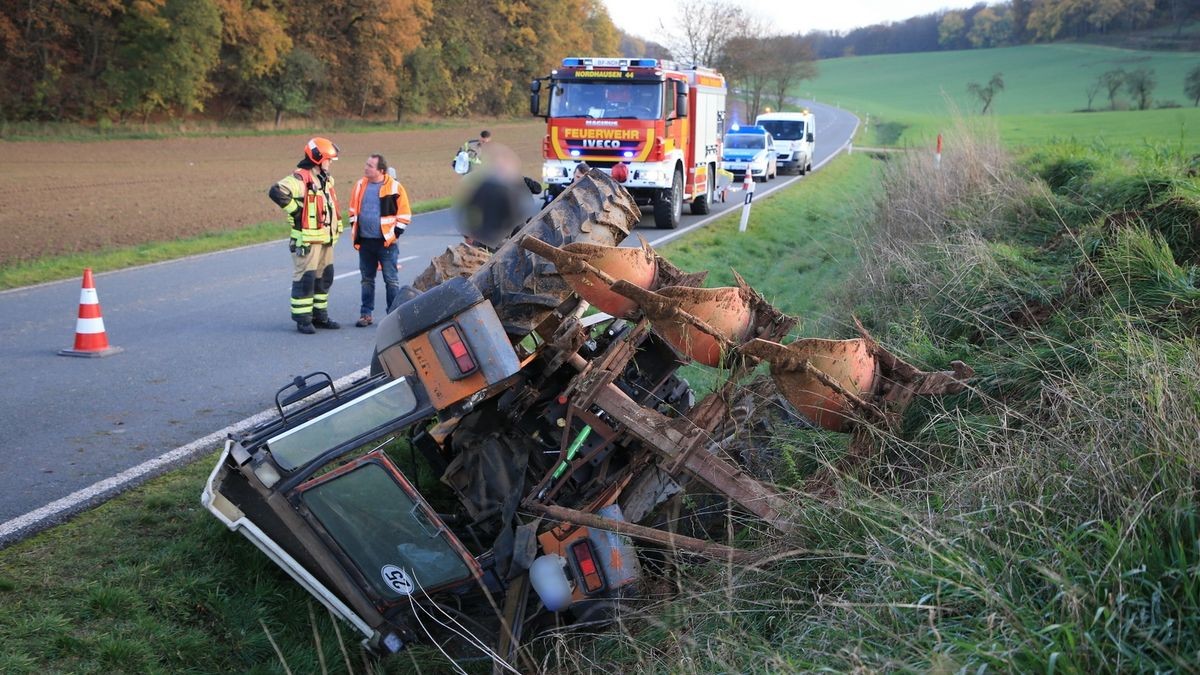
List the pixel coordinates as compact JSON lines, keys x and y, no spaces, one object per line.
{"x":663,"y":121}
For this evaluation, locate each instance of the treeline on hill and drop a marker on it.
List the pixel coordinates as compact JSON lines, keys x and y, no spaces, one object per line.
{"x":67,"y":60}
{"x":1016,"y":22}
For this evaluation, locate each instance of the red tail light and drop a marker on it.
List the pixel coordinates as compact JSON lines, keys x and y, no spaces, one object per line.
{"x":458,"y":350}
{"x":590,"y":573}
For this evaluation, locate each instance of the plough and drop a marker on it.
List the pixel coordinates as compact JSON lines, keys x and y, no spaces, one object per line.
{"x":558,"y":438}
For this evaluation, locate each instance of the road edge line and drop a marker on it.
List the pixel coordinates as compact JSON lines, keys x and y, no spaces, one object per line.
{"x":58,"y":511}
{"x":679,"y":233}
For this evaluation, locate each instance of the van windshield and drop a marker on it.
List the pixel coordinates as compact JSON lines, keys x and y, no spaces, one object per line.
{"x":745,"y":141}
{"x":784,"y":129}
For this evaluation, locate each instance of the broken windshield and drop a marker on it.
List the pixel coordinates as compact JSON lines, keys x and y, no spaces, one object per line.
{"x":296,"y":447}
{"x":391,"y":539}
{"x":619,"y":100}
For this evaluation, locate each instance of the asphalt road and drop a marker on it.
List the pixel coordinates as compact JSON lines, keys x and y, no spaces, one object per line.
{"x":207,"y":342}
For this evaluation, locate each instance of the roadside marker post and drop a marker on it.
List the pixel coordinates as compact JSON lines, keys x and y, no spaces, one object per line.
{"x":937,"y":158}
{"x":748,"y":188}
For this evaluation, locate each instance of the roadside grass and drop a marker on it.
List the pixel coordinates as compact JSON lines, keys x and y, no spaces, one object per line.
{"x":151,"y":582}
{"x":797,"y":250}
{"x":906,"y":96}
{"x":1046,"y":519}
{"x":55,"y":268}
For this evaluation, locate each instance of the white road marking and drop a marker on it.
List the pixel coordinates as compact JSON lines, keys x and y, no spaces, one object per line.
{"x":355,"y":273}
{"x":51,"y":514}
{"x":58,"y":510}
{"x":678,"y":233}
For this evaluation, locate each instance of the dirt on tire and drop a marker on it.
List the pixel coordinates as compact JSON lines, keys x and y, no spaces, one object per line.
{"x":74,"y":197}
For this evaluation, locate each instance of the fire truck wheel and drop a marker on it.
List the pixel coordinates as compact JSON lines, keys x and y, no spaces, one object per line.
{"x":669,"y":208}
{"x":703,"y":204}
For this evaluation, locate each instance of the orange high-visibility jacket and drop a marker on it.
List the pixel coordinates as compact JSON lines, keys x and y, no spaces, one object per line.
{"x":394,"y":212}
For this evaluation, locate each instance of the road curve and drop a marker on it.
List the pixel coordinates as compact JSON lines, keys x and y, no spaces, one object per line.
{"x":207,"y":342}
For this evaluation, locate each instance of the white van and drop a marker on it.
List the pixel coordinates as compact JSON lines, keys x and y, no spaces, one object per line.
{"x":795,"y":138}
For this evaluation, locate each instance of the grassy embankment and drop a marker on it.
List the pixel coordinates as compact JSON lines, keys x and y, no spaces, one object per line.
{"x":150,"y":581}
{"x":1045,"y":520}
{"x":906,"y":95}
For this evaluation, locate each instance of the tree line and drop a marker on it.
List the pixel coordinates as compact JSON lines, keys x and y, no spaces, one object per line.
{"x":68,"y":60}
{"x":1015,"y":22}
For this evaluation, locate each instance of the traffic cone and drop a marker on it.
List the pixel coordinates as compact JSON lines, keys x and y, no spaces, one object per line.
{"x":90,"y":338}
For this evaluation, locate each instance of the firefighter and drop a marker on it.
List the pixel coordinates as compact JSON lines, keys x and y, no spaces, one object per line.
{"x":379,"y":212}
{"x":307,"y":198}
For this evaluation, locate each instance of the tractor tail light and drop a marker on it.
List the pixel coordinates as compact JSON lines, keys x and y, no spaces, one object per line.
{"x":589,"y":572}
{"x":458,"y":350}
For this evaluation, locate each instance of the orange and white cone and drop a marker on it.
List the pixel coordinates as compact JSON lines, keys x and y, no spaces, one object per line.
{"x":90,"y":338}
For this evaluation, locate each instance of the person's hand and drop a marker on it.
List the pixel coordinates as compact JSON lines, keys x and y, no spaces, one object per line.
{"x":292,"y":245}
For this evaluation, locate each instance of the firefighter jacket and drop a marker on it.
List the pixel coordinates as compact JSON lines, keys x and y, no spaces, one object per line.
{"x":394,"y":212}
{"x":309,"y":200}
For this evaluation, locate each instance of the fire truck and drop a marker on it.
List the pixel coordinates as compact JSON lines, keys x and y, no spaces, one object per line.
{"x":653,"y":125}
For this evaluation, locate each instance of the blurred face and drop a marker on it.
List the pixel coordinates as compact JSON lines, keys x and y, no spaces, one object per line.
{"x":579,"y":173}
{"x":371,"y":170}
{"x":325,"y":164}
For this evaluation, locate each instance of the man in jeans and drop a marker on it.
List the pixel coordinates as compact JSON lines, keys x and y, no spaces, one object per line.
{"x":379,"y":213}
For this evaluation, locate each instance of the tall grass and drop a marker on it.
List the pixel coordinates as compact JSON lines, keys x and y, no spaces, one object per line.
{"x":1043,"y":521}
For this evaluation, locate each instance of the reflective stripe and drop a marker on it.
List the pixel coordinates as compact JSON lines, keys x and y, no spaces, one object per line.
{"x":88,"y":296}
{"x":89,"y":326}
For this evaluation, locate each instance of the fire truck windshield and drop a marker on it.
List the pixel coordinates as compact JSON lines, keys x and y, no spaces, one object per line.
{"x":613,"y":100}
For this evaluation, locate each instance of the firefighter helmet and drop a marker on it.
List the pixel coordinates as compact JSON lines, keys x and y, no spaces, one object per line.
{"x":320,"y":149}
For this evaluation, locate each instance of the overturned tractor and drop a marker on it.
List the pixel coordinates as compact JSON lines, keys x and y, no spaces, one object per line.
{"x":553,"y":443}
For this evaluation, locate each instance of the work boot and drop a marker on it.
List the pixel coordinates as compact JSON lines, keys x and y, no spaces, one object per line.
{"x":326,"y":323}
{"x":306,"y":328}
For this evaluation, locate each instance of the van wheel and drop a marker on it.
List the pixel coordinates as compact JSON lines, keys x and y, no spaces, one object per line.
{"x":669,"y":207}
{"x":703,"y":204}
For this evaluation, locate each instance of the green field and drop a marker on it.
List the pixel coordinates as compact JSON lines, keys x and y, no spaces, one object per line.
{"x":913,"y":95}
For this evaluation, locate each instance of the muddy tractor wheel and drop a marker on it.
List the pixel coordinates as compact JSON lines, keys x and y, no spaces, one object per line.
{"x":669,"y":209}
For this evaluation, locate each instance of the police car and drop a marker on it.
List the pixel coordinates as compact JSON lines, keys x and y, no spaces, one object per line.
{"x":749,"y":148}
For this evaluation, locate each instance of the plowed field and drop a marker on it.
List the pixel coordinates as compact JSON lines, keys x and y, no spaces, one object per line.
{"x":78,"y":197}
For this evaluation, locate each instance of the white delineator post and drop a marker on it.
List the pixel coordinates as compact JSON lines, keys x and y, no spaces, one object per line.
{"x":748,"y":188}
{"x":937,"y":158}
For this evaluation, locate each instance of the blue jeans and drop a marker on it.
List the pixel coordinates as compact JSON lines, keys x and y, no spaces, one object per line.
{"x":371,"y":256}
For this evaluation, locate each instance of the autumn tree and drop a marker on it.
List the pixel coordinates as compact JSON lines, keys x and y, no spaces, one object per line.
{"x":291,"y":88}
{"x":1140,"y":84}
{"x":1112,"y":81}
{"x":989,"y":28}
{"x":254,"y":44}
{"x":952,"y":30}
{"x":1091,"y":91}
{"x":790,"y":64}
{"x":165,"y":51}
{"x":986,"y":93}
{"x":1191,"y":85}
{"x":702,"y":29}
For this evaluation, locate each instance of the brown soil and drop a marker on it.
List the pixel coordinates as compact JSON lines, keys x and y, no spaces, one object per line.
{"x":78,"y":197}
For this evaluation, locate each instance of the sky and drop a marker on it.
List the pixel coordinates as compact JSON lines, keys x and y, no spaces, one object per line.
{"x":641,"y":17}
